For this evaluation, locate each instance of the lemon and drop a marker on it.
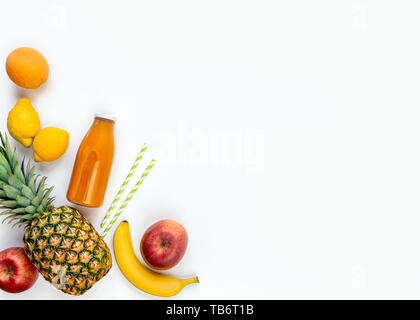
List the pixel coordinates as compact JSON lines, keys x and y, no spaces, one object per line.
{"x":50,"y":144}
{"x":23,"y":122}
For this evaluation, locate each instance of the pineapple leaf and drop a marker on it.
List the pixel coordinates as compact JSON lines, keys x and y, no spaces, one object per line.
{"x":4,"y":163}
{"x":5,"y":212}
{"x":18,"y":210}
{"x":19,"y":173}
{"x":24,"y":195}
{"x":40,"y":208}
{"x":2,"y":139}
{"x":36,"y":201}
{"x":41,"y":186}
{"x":19,"y":218}
{"x":22,"y":167}
{"x":14,"y":181}
{"x":27,"y":192}
{"x":8,"y":218}
{"x":11,"y":192}
{"x":24,"y":217}
{"x":49,"y":202}
{"x":45,"y":198}
{"x":30,"y":209}
{"x":29,"y":172}
{"x":9,"y":203}
{"x":3,"y":174}
{"x":22,"y":201}
{"x":7,"y":153}
{"x":31,"y":184}
{"x":13,"y":160}
{"x":19,"y":223}
{"x":12,"y":157}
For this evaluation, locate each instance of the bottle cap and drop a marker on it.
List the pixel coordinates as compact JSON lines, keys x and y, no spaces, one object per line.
{"x":105,"y":116}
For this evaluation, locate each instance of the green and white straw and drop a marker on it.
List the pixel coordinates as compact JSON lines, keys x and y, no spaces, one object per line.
{"x":129,"y":197}
{"x":122,"y":188}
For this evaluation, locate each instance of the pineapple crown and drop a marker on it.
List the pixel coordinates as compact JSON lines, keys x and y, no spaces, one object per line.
{"x":22,"y":193}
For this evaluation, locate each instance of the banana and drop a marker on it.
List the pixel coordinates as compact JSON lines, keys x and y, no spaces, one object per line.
{"x":140,"y":276}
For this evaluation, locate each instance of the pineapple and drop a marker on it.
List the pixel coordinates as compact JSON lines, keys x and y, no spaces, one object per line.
{"x":60,"y":242}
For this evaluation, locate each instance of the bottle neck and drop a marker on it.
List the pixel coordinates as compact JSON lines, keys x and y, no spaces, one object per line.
{"x":103,"y":122}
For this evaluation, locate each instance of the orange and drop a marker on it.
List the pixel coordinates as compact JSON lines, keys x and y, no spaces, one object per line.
{"x":27,"y":67}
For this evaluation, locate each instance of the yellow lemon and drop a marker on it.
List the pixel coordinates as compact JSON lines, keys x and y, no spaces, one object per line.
{"x":50,"y":144}
{"x":23,"y":122}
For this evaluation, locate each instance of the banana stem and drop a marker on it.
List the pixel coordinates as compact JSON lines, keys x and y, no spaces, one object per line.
{"x":190,"y":281}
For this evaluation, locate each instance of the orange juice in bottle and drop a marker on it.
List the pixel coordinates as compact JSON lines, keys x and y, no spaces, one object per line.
{"x":93,"y":163}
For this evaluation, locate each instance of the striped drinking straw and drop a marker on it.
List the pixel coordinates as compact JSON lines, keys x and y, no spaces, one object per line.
{"x":129,"y":197}
{"x":122,"y":188}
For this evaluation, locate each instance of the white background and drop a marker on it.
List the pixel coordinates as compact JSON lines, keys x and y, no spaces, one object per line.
{"x":286,"y":136}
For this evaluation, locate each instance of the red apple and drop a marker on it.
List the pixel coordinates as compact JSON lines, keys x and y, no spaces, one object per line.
{"x":17,"y":273}
{"x":163,"y":245}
